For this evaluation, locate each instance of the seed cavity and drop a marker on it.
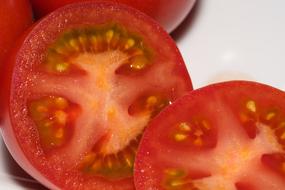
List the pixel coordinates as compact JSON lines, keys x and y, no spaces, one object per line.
{"x":175,"y":179}
{"x":97,"y":40}
{"x":111,"y":166}
{"x":51,"y":117}
{"x":148,"y":105}
{"x":193,"y":133}
{"x":269,"y":116}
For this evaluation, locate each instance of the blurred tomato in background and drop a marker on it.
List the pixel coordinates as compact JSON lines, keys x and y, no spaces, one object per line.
{"x":15,"y":17}
{"x":169,"y":13}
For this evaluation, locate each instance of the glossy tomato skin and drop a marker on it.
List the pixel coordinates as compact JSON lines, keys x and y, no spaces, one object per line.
{"x":169,"y":13}
{"x":15,"y":17}
{"x":22,"y":141}
{"x":205,"y":141}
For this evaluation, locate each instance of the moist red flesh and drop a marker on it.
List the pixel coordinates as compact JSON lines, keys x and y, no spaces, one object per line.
{"x":203,"y":141}
{"x":95,"y":95}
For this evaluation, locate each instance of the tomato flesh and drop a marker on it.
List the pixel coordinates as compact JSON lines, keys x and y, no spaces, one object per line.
{"x":224,"y":136}
{"x":81,"y":93}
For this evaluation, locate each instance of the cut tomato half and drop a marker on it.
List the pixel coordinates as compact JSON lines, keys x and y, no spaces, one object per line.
{"x":81,"y":87}
{"x":226,"y":136}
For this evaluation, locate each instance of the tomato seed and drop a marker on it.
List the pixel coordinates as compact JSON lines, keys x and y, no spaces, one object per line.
{"x":270,"y":116}
{"x":184,"y":127}
{"x":180,"y":137}
{"x":250,"y":105}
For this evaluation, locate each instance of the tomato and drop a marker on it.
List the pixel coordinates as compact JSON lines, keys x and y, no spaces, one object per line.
{"x":169,"y":13}
{"x":226,"y":136}
{"x":15,"y":17}
{"x":81,"y":87}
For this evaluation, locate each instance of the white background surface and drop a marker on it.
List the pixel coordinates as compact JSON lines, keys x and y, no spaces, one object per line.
{"x":220,"y":40}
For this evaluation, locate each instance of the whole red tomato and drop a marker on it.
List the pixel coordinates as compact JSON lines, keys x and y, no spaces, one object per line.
{"x":15,"y":17}
{"x":169,"y":13}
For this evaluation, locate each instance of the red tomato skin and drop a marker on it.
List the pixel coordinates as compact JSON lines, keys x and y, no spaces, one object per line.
{"x":15,"y":17}
{"x":12,"y":63}
{"x":169,"y":13}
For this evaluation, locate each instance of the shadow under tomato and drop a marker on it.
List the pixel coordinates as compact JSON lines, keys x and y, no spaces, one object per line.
{"x":188,"y":22}
{"x":15,"y":173}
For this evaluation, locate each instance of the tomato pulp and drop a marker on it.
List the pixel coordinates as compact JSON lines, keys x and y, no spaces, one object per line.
{"x":225,"y":136}
{"x":169,"y":13}
{"x":82,"y":86}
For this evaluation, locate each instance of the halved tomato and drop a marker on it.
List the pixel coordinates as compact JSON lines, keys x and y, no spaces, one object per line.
{"x":226,"y":136}
{"x":82,"y":86}
{"x":169,"y":13}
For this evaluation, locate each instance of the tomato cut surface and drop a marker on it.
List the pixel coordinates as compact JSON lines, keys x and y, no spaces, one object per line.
{"x":226,"y":136}
{"x":83,"y":85}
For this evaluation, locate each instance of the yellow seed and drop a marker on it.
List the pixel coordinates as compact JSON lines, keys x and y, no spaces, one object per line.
{"x":250,"y":105}
{"x":270,"y":115}
{"x":198,"y":142}
{"x":42,"y":109}
{"x":151,"y":101}
{"x":60,"y":50}
{"x":139,"y":63}
{"x":173,"y":172}
{"x":175,"y":183}
{"x":61,"y":103}
{"x":109,"y":162}
{"x":74,"y":44}
{"x":89,"y":158}
{"x":283,"y":136}
{"x":59,"y":133}
{"x":130,"y":43}
{"x":109,"y":35}
{"x":96,"y":165}
{"x":82,"y":39}
{"x":198,"y":133}
{"x":61,"y":67}
{"x":94,"y":40}
{"x":205,"y":124}
{"x":128,"y":160}
{"x":61,"y":117}
{"x":184,"y":127}
{"x":47,"y":123}
{"x":180,"y":137}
